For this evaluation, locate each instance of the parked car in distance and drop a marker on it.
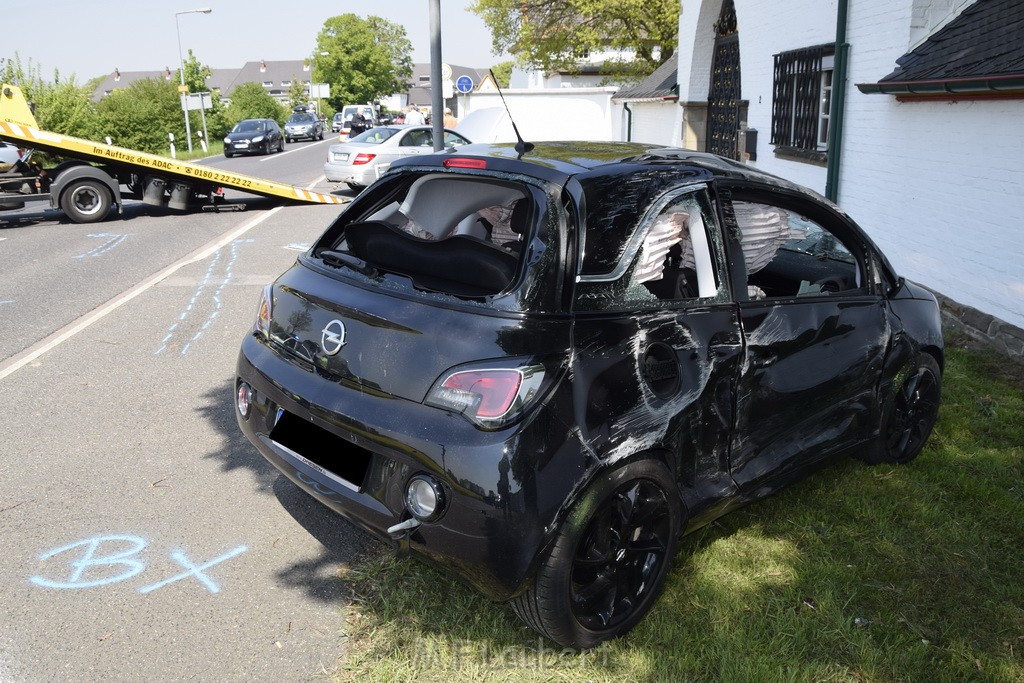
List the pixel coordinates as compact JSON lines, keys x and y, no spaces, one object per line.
{"x":350,"y":114}
{"x":254,"y":136}
{"x":302,"y":124}
{"x":363,"y":159}
{"x":337,"y":121}
{"x":537,"y":368}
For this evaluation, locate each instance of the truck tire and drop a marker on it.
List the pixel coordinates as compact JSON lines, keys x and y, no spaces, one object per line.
{"x":86,"y":201}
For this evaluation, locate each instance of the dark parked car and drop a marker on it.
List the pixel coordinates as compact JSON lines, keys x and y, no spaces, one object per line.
{"x":538,"y":370}
{"x":254,"y":136}
{"x":302,"y":124}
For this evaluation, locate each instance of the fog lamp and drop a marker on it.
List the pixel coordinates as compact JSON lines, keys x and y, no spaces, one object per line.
{"x":244,"y":399}
{"x":424,"y":498}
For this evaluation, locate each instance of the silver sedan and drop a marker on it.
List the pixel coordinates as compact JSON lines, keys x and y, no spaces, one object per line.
{"x":361,"y":160}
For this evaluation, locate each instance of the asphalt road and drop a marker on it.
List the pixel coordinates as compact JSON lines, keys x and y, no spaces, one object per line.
{"x":143,"y":538}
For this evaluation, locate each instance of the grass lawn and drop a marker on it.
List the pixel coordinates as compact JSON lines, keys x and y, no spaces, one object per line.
{"x":889,"y":573}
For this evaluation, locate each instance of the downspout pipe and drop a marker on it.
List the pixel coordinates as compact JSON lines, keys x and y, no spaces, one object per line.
{"x":838,"y":108}
{"x":629,"y":122}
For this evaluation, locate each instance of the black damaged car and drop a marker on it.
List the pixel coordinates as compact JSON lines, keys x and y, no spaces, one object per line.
{"x":539,"y":369}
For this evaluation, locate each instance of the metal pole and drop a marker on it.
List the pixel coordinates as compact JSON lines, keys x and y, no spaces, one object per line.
{"x":436,"y":91}
{"x":181,"y":70}
{"x":838,"y":109}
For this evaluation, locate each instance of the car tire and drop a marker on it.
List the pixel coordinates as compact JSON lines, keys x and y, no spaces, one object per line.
{"x":909,"y":413}
{"x":355,"y":187}
{"x":228,"y":154}
{"x":609,"y":560}
{"x":86,"y":201}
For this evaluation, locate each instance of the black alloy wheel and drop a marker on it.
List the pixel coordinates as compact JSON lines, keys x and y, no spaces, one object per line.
{"x":610,"y":559}
{"x":909,"y":414}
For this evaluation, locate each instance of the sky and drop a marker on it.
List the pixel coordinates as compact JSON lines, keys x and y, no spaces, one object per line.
{"x":91,"y":38}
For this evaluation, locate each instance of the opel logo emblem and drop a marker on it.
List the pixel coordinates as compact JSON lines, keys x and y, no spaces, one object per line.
{"x":333,"y":337}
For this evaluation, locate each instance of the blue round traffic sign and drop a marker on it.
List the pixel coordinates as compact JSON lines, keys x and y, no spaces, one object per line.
{"x":464,"y":84}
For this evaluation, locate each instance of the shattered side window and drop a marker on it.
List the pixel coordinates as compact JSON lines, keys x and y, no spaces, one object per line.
{"x":671,"y":259}
{"x":789,"y":255}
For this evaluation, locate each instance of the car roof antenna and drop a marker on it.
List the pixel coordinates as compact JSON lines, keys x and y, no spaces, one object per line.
{"x":522,"y":146}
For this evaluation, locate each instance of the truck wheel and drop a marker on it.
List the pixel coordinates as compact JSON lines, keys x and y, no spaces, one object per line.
{"x":86,"y":201}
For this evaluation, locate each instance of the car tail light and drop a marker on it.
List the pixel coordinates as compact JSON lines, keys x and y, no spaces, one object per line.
{"x":262,"y":326}
{"x":489,"y":397}
{"x":363,"y":158}
{"x":463,"y":162}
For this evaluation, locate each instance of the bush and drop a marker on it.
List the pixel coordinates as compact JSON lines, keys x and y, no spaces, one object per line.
{"x":140,"y":116}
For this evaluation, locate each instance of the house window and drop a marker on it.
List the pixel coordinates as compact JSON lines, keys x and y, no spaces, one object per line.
{"x":801,"y":99}
{"x":286,"y":84}
{"x":268,"y":84}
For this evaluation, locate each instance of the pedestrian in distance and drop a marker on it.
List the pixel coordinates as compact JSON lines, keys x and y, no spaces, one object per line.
{"x":414,"y":117}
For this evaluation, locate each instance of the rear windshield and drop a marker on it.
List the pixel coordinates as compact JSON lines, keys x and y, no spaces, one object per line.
{"x":375,"y":135}
{"x":440,"y":232}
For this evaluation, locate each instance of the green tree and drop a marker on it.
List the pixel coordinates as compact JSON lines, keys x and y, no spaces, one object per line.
{"x":503,"y":72}
{"x":196,"y":74}
{"x":550,"y":34}
{"x":251,"y":101}
{"x":297,"y":94}
{"x":366,"y":58}
{"x":141,"y":115}
{"x":61,"y":105}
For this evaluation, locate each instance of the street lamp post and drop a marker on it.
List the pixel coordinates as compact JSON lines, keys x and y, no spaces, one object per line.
{"x":181,"y":66}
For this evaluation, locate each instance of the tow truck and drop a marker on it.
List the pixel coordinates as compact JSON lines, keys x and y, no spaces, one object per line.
{"x":89,"y":182}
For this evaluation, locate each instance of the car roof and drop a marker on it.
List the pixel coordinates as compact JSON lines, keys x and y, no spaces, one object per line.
{"x":558,"y":161}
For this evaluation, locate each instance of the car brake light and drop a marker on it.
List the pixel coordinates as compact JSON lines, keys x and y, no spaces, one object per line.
{"x":363,"y":158}
{"x":262,"y":326}
{"x":489,"y":397}
{"x":463,"y":162}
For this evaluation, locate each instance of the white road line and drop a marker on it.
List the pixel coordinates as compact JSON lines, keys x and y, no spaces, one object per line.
{"x":60,"y":336}
{"x":271,"y":157}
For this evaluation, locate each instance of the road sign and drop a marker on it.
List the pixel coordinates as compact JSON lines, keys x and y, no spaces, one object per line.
{"x":446,"y":72}
{"x":447,"y":89}
{"x":199,"y":100}
{"x":464,"y":84}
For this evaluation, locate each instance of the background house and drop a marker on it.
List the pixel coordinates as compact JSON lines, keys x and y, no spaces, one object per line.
{"x":651,"y":111}
{"x":928,"y":157}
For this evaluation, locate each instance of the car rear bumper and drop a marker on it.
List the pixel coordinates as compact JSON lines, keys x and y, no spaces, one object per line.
{"x":345,"y":173}
{"x":492,"y":528}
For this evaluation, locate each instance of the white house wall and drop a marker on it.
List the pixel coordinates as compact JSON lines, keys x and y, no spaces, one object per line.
{"x":766,"y":30}
{"x":554,"y":114}
{"x":936,"y":185}
{"x":654,"y":122}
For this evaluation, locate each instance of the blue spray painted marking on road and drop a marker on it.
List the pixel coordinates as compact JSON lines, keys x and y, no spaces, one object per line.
{"x":112,"y":240}
{"x":8,"y":301}
{"x":89,"y":561}
{"x":118,"y":562}
{"x":198,"y":297}
{"x":193,"y":570}
{"x":228,"y":275}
